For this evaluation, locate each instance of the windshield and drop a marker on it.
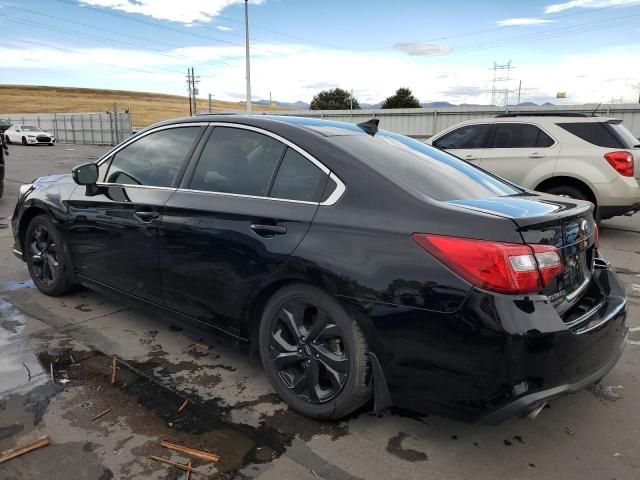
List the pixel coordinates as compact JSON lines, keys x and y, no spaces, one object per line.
{"x":628,"y":138}
{"x":425,"y":169}
{"x":31,"y":128}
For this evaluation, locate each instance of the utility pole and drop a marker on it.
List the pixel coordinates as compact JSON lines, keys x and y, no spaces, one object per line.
{"x":519,"y":90}
{"x":248,"y":67}
{"x":209,"y":103}
{"x":189,"y":87}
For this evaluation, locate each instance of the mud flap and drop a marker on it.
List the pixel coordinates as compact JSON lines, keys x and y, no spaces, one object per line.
{"x":381,"y":395}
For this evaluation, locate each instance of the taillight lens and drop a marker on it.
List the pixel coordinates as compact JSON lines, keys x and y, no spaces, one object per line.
{"x":622,"y":162}
{"x":495,"y":266}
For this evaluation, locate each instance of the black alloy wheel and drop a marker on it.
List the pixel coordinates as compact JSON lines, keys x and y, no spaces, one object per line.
{"x":314,"y":353}
{"x":24,"y":141}
{"x":43,"y":256}
{"x":309,"y":352}
{"x":48,"y":264}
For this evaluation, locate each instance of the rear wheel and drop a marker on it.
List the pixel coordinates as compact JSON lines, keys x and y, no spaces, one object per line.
{"x":314,"y":354}
{"x":573,"y":192}
{"x":47,"y":261}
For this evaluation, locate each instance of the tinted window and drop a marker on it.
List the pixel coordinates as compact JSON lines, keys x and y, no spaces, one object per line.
{"x":469,"y":136}
{"x":623,"y":133}
{"x":237,"y":161}
{"x":519,"y":135}
{"x":153,"y":160}
{"x":596,"y":133}
{"x":298,"y":179}
{"x":420,"y":168}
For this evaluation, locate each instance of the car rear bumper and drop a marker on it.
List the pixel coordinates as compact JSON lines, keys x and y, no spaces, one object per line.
{"x":500,"y":356}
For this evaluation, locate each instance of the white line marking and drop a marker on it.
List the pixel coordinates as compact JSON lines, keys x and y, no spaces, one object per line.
{"x":632,"y":342}
{"x":634,"y":329}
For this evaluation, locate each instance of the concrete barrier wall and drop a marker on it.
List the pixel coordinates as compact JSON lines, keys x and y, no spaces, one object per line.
{"x":81,"y":128}
{"x":425,"y":122}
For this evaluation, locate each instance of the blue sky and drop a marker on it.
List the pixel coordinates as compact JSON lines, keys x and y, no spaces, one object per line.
{"x":441,"y":50}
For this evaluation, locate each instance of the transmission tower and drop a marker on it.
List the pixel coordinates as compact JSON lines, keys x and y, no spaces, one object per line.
{"x":500,"y":86}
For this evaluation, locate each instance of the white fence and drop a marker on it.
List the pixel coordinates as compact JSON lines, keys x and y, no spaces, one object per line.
{"x":425,"y":122}
{"x":84,"y":128}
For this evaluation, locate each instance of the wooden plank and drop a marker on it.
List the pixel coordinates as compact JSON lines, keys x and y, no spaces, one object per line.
{"x":14,"y":452}
{"x":181,"y":466}
{"x":211,"y":457}
{"x":101,"y":414}
{"x":183,"y":405}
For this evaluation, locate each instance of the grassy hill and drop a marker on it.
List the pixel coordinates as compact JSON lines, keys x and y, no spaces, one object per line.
{"x":146,"y":108}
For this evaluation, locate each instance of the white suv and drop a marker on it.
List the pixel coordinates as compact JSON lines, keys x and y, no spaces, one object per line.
{"x":591,"y":158}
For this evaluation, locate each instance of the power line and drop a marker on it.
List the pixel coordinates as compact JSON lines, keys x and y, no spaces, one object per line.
{"x":172,"y":45}
{"x":164,"y":27}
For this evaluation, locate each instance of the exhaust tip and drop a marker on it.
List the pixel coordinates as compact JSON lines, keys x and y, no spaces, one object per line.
{"x":536,"y":411}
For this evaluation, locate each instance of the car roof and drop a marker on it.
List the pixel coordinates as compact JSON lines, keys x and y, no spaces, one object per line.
{"x":541,"y":119}
{"x":325,"y":128}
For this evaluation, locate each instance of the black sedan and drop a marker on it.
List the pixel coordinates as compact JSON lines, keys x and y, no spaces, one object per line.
{"x":361,"y":264}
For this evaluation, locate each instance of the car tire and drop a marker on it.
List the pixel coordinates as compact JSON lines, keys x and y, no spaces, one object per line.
{"x":24,"y":141}
{"x":47,"y":260}
{"x":573,"y":192}
{"x":322,"y":372}
{"x":7,"y":139}
{"x":1,"y":188}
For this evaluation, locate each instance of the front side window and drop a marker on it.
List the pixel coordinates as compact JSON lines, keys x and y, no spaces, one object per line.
{"x":237,"y":161}
{"x":298,"y":179}
{"x":467,"y":137}
{"x":153,"y":160}
{"x":519,"y":135}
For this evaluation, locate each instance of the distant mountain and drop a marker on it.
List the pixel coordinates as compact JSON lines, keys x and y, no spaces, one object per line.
{"x":436,"y":104}
{"x":371,"y":105}
{"x":299,"y":105}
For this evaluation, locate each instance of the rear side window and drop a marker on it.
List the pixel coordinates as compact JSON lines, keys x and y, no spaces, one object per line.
{"x":519,"y":135}
{"x":423,"y":169}
{"x":469,"y":136}
{"x":237,"y":161}
{"x":154,"y":159}
{"x":596,"y":133}
{"x":298,"y":179}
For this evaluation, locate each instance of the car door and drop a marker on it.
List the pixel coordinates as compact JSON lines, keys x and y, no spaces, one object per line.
{"x":466,"y":142}
{"x":516,"y":149}
{"x":113,"y":232}
{"x":245,"y":204}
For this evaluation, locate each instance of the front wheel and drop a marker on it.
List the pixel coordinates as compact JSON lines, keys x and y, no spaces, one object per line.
{"x":314,"y":354}
{"x":24,"y":141}
{"x":47,"y":260}
{"x":7,"y":139}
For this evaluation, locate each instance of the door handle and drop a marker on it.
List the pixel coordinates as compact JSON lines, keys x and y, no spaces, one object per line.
{"x":146,"y":215}
{"x":469,"y":157}
{"x":536,"y":155}
{"x":268,"y":230}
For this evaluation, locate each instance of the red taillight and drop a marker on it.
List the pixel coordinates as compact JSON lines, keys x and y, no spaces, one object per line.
{"x":496,"y":266}
{"x":622,"y":162}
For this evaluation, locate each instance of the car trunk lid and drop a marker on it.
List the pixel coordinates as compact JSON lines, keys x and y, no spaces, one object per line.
{"x":565,"y":223}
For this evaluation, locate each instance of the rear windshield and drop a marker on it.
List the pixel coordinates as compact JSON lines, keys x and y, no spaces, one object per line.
{"x":602,"y":134}
{"x":424,"y":169}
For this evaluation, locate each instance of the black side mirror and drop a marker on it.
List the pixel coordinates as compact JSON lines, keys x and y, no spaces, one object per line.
{"x":86,"y":174}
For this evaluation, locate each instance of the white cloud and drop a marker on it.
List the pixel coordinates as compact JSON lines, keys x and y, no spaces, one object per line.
{"x":222,"y":28}
{"x":559,"y":7}
{"x":183,"y":11}
{"x":511,"y":22}
{"x":465,"y":81}
{"x":422,"y":49}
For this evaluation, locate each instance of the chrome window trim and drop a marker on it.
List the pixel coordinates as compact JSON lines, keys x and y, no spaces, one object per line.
{"x":130,"y":185}
{"x":331,"y":200}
